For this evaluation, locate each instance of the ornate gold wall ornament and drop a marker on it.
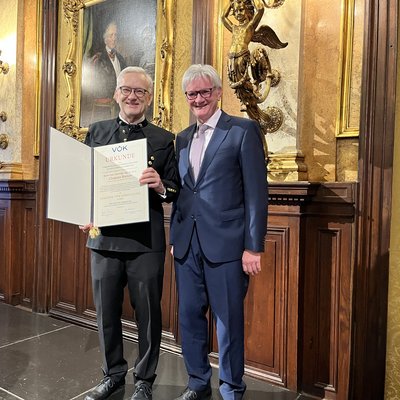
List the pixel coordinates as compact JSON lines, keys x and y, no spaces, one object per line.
{"x":287,"y":167}
{"x":276,"y":77}
{"x":69,"y":68}
{"x":165,"y":63}
{"x":4,"y":68}
{"x":275,"y":119}
{"x":274,"y":3}
{"x":10,"y":170}
{"x":3,"y":141}
{"x":250,"y":73}
{"x":70,"y":64}
{"x":3,"y":116}
{"x":71,"y":12}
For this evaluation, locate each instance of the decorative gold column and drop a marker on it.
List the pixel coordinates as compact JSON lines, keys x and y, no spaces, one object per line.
{"x":10,"y":138}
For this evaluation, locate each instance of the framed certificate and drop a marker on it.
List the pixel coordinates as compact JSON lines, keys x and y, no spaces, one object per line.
{"x":97,"y":185}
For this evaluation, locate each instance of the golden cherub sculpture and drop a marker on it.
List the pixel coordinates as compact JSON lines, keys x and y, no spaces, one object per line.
{"x":248,"y":70}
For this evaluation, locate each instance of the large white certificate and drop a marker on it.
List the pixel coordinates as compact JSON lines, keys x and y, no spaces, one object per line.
{"x":98,"y":185}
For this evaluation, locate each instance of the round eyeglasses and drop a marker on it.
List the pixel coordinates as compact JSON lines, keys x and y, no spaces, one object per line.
{"x":138,"y":92}
{"x":204,"y":93}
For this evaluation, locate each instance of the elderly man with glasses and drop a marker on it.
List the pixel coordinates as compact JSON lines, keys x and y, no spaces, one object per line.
{"x":132,"y":254}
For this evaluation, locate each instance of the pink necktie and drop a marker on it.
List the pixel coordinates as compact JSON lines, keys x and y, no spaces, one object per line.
{"x":197,"y":150}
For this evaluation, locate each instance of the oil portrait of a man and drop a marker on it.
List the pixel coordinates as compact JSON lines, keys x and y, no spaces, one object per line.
{"x":116,"y":34}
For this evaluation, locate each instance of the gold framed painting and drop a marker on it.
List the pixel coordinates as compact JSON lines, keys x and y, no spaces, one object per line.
{"x":97,"y":39}
{"x":349,"y":99}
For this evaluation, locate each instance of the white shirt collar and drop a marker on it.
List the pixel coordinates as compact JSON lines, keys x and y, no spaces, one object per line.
{"x":213,"y":120}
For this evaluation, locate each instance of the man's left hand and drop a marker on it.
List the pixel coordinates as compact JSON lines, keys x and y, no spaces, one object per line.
{"x":251,"y":262}
{"x":151,"y":178}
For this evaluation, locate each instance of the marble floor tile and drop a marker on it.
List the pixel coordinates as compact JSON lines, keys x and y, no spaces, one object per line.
{"x":42,"y":358}
{"x":19,"y":324}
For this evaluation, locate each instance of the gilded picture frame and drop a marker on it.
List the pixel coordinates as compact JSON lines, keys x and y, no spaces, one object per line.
{"x":71,"y":60}
{"x":349,"y":99}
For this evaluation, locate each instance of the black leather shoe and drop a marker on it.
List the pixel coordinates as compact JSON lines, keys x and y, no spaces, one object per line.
{"x":104,"y":389}
{"x":190,"y":394}
{"x":142,"y":391}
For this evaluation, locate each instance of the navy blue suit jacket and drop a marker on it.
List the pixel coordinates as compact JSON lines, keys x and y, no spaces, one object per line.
{"x":228,"y":202}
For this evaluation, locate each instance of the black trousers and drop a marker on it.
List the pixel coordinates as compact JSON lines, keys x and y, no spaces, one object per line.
{"x":143,"y":273}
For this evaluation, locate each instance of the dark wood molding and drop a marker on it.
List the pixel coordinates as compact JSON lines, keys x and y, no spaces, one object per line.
{"x":374,"y":205}
{"x":47,"y":118}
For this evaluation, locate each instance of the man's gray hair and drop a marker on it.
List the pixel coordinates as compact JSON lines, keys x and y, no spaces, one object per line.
{"x":108,"y":27}
{"x":196,"y":71}
{"x":136,"y":70}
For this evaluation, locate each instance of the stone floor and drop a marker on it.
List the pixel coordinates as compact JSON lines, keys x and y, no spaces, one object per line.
{"x":42,"y":358}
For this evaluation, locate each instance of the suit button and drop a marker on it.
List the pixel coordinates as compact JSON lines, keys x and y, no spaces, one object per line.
{"x":192,"y":216}
{"x":194,"y":191}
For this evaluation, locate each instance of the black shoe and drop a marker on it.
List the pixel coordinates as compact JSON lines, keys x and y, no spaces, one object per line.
{"x":142,"y":391}
{"x":190,"y":394}
{"x":104,"y":389}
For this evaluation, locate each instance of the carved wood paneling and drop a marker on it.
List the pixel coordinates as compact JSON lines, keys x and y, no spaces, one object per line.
{"x":326,"y":301}
{"x":17,"y":215}
{"x":4,"y":254}
{"x":297,"y":310}
{"x":266,"y":310}
{"x":27,"y":254}
{"x":66,"y":285}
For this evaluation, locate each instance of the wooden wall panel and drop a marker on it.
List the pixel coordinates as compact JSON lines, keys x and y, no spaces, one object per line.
{"x":298,"y":310}
{"x":4,"y":247}
{"x":17,"y":215}
{"x":266,"y":311}
{"x":27,"y":254}
{"x":169,"y":303}
{"x":328,"y":266}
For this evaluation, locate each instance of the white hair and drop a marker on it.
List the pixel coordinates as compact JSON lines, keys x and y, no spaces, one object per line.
{"x":136,"y":70}
{"x":201,"y":71}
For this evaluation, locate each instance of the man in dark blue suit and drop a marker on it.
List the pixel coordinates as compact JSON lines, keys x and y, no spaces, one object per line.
{"x":132,"y":255}
{"x":218,"y":226}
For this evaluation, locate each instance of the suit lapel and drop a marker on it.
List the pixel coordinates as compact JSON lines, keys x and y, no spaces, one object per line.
{"x":185,"y":169}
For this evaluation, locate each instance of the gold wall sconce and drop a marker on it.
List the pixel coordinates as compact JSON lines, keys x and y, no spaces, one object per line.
{"x":4,"y":68}
{"x":273,"y":3}
{"x":3,"y":136}
{"x":3,"y":141}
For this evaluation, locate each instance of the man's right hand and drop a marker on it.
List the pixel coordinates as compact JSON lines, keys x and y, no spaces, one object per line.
{"x":85,"y":228}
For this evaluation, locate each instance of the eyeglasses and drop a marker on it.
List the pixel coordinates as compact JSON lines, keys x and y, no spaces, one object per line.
{"x":138,"y":92}
{"x":204,"y":93}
